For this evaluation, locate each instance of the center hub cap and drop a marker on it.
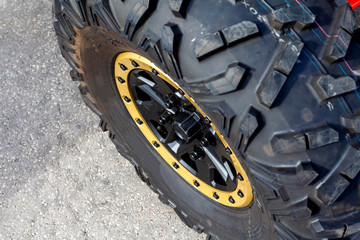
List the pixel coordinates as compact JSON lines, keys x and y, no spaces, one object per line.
{"x":187,"y":126}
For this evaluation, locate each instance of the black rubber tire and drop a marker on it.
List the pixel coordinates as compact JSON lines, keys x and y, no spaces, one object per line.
{"x":278,"y":78}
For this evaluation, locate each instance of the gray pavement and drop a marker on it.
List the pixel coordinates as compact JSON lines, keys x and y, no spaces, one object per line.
{"x":60,"y":176}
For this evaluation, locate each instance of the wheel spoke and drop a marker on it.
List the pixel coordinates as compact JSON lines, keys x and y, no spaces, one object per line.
{"x":152,"y":93}
{"x":210,"y":152}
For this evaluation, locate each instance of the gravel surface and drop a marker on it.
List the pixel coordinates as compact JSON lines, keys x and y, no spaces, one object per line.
{"x":60,"y":176}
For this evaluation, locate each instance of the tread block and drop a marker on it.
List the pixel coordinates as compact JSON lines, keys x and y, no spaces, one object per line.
{"x":327,"y":86}
{"x":339,"y":47}
{"x":75,"y":75}
{"x":332,"y":189}
{"x":225,"y":82}
{"x":321,"y":137}
{"x":171,"y":36}
{"x":102,"y":14}
{"x":298,"y":15}
{"x":349,"y":19}
{"x":224,"y":37}
{"x":337,"y":227}
{"x":239,"y":31}
{"x":208,"y":44}
{"x":351,"y":123}
{"x":270,"y":88}
{"x":335,"y":183}
{"x":178,"y":7}
{"x":222,"y":115}
{"x":289,"y":56}
{"x":295,"y":211}
{"x":297,"y":173}
{"x":69,"y":14}
{"x":251,"y":122}
{"x":288,"y":143}
{"x":139,"y":10}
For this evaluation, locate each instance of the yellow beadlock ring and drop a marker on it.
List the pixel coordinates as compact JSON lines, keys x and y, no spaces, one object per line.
{"x":240,"y":197}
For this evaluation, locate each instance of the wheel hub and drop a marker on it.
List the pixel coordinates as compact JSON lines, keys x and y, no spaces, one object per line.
{"x":180,"y":131}
{"x":187,"y":126}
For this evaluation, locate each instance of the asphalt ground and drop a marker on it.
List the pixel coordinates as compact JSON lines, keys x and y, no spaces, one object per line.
{"x":60,"y":175}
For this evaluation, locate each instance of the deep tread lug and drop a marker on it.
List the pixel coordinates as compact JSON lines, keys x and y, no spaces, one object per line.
{"x":270,"y":88}
{"x":207,"y":44}
{"x":171,"y":36}
{"x":334,"y":184}
{"x":178,"y":7}
{"x":321,"y":137}
{"x":140,"y":10}
{"x":288,"y":143}
{"x":292,"y":16}
{"x":225,"y":82}
{"x":239,"y":31}
{"x":327,"y":86}
{"x":250,"y":123}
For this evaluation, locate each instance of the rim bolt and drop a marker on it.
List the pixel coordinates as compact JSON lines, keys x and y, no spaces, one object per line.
{"x":228,"y":151}
{"x":154,"y":72}
{"x":240,"y":177}
{"x":207,"y":120}
{"x":121,"y":80}
{"x":123,"y":67}
{"x":165,"y":117}
{"x":196,"y":183}
{"x":135,"y":64}
{"x":168,"y":104}
{"x":196,"y":154}
{"x":156,"y":144}
{"x":175,"y":165}
{"x":138,"y":121}
{"x":215,"y":195}
{"x":204,"y":141}
{"x":241,"y":194}
{"x":170,"y":101}
{"x":127,"y":99}
{"x":181,"y":92}
{"x":231,"y":200}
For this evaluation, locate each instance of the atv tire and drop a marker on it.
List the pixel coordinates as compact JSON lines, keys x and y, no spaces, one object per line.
{"x":277,"y":80}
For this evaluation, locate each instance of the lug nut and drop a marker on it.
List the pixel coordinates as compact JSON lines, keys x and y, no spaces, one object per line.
{"x":138,"y":121}
{"x":154,"y":72}
{"x":207,"y":120}
{"x":196,"y":154}
{"x":123,"y":67}
{"x":240,"y":177}
{"x":175,"y":165}
{"x":228,"y":151}
{"x":127,"y":99}
{"x":135,"y":64}
{"x":241,"y":194}
{"x":156,"y":145}
{"x":181,"y":92}
{"x":215,"y":195}
{"x":121,"y":80}
{"x":165,"y":117}
{"x":170,"y":101}
{"x":231,"y":200}
{"x":196,"y":183}
{"x":204,"y":141}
